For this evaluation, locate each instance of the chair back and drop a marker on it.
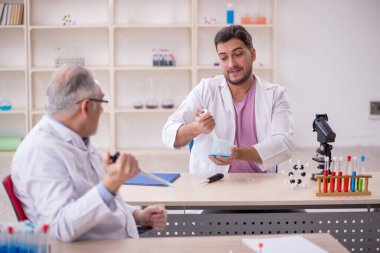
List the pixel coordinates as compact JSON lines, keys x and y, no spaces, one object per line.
{"x":17,"y":207}
{"x":191,"y":143}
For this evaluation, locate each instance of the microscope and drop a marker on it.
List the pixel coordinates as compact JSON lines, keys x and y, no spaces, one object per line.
{"x":325,"y":135}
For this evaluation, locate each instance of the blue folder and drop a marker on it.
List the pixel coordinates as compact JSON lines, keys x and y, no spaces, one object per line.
{"x":140,"y":179}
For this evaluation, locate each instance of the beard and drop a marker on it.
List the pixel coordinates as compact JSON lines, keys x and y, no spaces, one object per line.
{"x":242,"y":80}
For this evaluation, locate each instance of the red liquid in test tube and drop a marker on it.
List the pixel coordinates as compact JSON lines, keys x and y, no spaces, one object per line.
{"x":348,"y":173}
{"x":340,"y":173}
{"x":333,"y":173}
{"x":326,"y":173}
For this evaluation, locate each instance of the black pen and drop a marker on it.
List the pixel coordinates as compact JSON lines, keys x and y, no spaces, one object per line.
{"x":114,"y":157}
{"x":214,"y":178}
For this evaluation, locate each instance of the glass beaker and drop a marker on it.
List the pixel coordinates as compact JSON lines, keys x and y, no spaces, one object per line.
{"x":152,"y":101}
{"x":220,"y":147}
{"x":139,"y":102}
{"x":5,"y":103}
{"x":167,"y":102}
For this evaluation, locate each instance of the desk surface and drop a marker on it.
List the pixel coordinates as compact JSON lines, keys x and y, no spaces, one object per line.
{"x":251,"y":189}
{"x":210,"y":244}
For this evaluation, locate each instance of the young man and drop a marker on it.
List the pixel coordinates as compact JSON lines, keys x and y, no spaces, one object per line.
{"x":61,"y":179}
{"x":243,"y":109}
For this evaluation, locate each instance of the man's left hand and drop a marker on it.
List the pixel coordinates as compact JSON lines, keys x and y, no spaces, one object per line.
{"x":220,"y":160}
{"x":153,"y":216}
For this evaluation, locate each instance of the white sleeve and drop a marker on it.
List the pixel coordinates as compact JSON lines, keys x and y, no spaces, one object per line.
{"x":280,"y":144}
{"x":58,"y":202}
{"x":183,"y":115}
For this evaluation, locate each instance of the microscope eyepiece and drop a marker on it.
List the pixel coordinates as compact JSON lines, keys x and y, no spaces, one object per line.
{"x":324,"y":132}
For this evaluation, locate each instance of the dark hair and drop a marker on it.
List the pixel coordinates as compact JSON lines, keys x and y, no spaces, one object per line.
{"x":233,"y":32}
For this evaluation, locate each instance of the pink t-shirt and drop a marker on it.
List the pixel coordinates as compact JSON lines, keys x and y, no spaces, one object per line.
{"x":245,"y":135}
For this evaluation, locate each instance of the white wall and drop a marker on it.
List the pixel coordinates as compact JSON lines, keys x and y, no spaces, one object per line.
{"x":329,"y":59}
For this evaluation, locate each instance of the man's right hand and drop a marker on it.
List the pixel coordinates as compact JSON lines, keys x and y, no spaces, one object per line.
{"x":204,"y":122}
{"x":126,"y":167}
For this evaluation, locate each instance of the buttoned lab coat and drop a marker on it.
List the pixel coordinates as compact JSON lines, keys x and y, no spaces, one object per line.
{"x":55,"y":176}
{"x":274,"y":123}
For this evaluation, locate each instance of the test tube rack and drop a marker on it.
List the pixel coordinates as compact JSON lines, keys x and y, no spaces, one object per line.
{"x":321,"y":179}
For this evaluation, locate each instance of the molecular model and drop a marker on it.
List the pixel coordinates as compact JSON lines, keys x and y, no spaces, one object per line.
{"x":209,"y":20}
{"x":297,"y":175}
{"x":67,"y":20}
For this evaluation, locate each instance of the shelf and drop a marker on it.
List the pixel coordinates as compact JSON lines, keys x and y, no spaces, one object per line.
{"x":144,"y":110}
{"x":55,"y":27}
{"x":52,"y":69}
{"x":12,"y":27}
{"x":158,"y":68}
{"x":203,"y":67}
{"x":42,"y":112}
{"x":156,"y":151}
{"x":14,"y":111}
{"x":38,"y":112}
{"x":12,"y":69}
{"x":158,"y":26}
{"x":219,"y":26}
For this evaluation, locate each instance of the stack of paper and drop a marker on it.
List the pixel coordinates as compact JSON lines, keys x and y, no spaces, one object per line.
{"x":286,"y":244}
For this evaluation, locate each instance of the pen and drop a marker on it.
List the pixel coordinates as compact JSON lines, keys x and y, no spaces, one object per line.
{"x":154,"y":177}
{"x":214,"y":178}
{"x":114,"y":157}
{"x":145,"y":173}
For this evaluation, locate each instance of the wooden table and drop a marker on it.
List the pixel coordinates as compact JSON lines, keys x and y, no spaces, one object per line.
{"x":351,"y":219}
{"x":251,"y":190}
{"x":210,"y":244}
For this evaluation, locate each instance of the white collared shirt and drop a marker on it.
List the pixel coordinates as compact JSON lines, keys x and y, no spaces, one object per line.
{"x":55,"y":175}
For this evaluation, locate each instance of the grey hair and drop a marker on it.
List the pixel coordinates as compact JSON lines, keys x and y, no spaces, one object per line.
{"x":70,"y":84}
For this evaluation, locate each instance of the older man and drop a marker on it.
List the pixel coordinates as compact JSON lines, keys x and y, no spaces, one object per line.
{"x":61,"y":179}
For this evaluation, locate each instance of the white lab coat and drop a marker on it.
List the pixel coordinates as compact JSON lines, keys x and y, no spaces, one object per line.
{"x":274,"y":123}
{"x":55,"y":176}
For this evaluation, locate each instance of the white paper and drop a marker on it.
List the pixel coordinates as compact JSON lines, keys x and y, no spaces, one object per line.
{"x":286,"y":244}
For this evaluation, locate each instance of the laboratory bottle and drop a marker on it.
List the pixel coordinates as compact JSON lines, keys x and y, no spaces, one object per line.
{"x":230,"y":14}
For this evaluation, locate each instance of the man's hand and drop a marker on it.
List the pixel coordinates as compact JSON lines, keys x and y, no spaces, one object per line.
{"x":153,"y":216}
{"x":204,"y":122}
{"x":126,"y":167}
{"x":220,"y":160}
{"x":245,"y":154}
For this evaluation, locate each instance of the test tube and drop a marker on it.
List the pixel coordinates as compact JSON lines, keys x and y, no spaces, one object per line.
{"x":10,"y":241}
{"x":261,"y":245}
{"x":43,"y":246}
{"x":362,"y":171}
{"x":353,"y":180}
{"x":340,"y":173}
{"x":326,"y":173}
{"x":348,"y":172}
{"x":333,"y":173}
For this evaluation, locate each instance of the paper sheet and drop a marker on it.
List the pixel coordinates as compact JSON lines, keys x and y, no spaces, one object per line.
{"x":287,"y":244}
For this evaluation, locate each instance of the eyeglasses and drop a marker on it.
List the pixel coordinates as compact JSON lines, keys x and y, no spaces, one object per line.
{"x":93,"y":99}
